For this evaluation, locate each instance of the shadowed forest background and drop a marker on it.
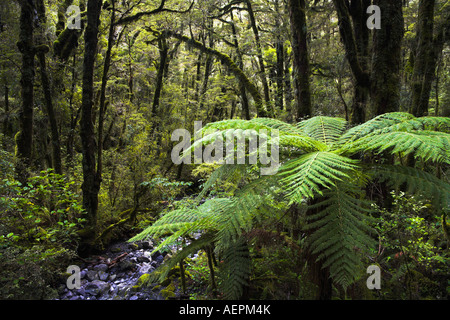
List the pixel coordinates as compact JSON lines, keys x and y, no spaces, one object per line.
{"x":87,"y":114}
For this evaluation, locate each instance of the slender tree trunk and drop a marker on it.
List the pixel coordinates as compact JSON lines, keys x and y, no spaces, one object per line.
{"x":91,"y":183}
{"x":280,"y":74}
{"x":259,"y":55}
{"x":56,"y":142}
{"x":287,"y":85}
{"x":425,"y":58}
{"x":240,"y":63}
{"x":386,"y":62}
{"x":297,"y":15}
{"x":163,"y":55}
{"x":24,"y":138}
{"x":354,"y":38}
{"x":103,"y":104}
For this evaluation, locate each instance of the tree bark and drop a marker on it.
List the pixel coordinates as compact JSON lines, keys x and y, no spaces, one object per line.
{"x":24,"y":138}
{"x":46,"y":87}
{"x":354,"y":37}
{"x":425,"y":59}
{"x":386,"y":60}
{"x":240,"y":63}
{"x":163,"y":54}
{"x":259,"y":55}
{"x":91,"y":183}
{"x":297,"y":15}
{"x":103,"y":104}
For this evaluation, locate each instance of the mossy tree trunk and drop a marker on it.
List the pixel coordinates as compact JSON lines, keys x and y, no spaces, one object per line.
{"x":297,"y":15}
{"x":386,"y":61}
{"x":355,"y":38}
{"x":24,"y":138}
{"x":163,"y":55}
{"x":91,"y":181}
{"x":259,"y":55}
{"x":429,"y":40}
{"x":46,"y":87}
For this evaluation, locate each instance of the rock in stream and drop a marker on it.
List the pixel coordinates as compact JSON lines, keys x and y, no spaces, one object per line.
{"x":113,"y":275}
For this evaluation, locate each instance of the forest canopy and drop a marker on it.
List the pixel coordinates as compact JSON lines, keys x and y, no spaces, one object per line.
{"x":350,"y":97}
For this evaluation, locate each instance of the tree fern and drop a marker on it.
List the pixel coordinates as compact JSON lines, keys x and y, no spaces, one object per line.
{"x":319,"y":166}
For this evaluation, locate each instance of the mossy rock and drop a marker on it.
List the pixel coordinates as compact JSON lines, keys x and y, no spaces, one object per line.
{"x":156,"y":288}
{"x":168,"y":292}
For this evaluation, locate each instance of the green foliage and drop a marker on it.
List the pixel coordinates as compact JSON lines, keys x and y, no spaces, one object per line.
{"x":32,"y":273}
{"x":46,"y":210}
{"x":412,"y":249}
{"x":317,"y":170}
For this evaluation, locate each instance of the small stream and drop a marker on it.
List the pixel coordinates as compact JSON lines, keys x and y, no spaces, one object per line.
{"x":113,"y":274}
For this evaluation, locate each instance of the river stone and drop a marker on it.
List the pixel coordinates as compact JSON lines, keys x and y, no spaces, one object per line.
{"x":126,"y":265}
{"x":101,"y":267}
{"x":102,"y":275}
{"x":97,"y":287}
{"x":92,"y":275}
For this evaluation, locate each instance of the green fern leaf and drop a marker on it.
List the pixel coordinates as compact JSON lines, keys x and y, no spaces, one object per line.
{"x":340,"y":232}
{"x":425,"y":145}
{"x":417,"y":182}
{"x":311,"y":173}
{"x":324,"y":129}
{"x":235,"y":270}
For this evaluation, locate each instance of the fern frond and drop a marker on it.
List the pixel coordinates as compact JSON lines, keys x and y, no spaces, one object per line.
{"x":324,"y":129}
{"x":376,"y":125}
{"x":341,"y":232}
{"x":289,"y":136}
{"x":417,"y":182}
{"x":223,"y":173}
{"x":279,"y":125}
{"x":235,"y":270}
{"x":249,"y":205}
{"x":311,"y":173}
{"x":392,"y":122}
{"x":425,"y":145}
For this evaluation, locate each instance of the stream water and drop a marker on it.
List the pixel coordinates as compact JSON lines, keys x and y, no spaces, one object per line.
{"x":113,"y":274}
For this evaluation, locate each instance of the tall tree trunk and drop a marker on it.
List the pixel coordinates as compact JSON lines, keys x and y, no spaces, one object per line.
{"x":279,"y":69}
{"x":354,"y":38}
{"x":280,"y":74}
{"x":163,"y":54}
{"x":386,"y":62}
{"x":240,"y":63}
{"x":259,"y":55}
{"x":24,"y":138}
{"x":103,"y":103}
{"x":46,"y":87}
{"x":424,"y":60}
{"x":297,"y":15}
{"x":91,"y":183}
